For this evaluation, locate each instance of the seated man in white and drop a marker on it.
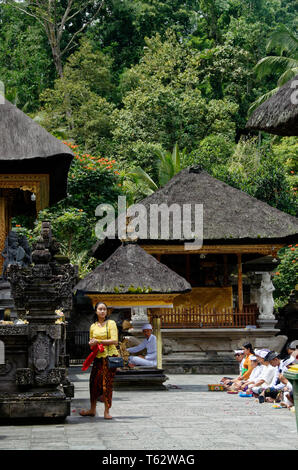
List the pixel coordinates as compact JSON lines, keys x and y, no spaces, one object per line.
{"x":149,"y":343}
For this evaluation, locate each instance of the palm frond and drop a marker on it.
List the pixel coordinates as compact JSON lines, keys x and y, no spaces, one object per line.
{"x":271,"y":64}
{"x":282,"y":40}
{"x":261,"y":100}
{"x":176,"y":157}
{"x":138,"y":174}
{"x":287,"y":75}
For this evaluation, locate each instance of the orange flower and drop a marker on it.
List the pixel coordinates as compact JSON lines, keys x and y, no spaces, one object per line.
{"x":277,"y":274}
{"x":292,"y":249}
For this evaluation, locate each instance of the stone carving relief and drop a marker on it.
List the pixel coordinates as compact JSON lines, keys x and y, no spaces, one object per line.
{"x":41,"y":351}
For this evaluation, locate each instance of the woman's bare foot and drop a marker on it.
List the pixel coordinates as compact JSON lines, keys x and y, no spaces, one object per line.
{"x":107,"y":415}
{"x":87,"y":413}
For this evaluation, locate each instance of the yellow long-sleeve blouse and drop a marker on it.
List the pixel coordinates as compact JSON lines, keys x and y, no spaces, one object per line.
{"x":108,"y":331}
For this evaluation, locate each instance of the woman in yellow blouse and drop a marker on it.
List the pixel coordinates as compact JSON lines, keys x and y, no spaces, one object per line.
{"x":102,"y":331}
{"x":247,"y":365}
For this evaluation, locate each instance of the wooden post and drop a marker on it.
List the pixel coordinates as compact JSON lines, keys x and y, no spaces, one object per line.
{"x":187,"y":267}
{"x":157,"y":332}
{"x":240,"y":286}
{"x":226,"y":274}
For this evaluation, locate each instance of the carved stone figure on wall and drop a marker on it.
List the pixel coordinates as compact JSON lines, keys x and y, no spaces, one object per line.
{"x":266,"y":301}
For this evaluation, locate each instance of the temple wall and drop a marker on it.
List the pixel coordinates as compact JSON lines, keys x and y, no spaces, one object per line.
{"x":210,"y":351}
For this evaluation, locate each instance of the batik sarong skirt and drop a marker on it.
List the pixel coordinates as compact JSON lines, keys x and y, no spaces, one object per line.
{"x":101,"y":381}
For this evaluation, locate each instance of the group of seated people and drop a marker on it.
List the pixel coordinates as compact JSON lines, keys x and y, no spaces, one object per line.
{"x":261,"y":375}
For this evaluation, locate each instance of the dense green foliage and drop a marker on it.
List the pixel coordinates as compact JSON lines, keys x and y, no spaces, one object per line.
{"x":144,"y":76}
{"x":285,"y":278}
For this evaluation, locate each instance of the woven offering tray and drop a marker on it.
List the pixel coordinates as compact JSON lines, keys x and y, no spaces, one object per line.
{"x":215,"y":388}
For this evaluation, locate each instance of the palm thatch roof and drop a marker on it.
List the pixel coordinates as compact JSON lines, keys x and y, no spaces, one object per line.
{"x":26,"y":147}
{"x":229,"y":214}
{"x":131,"y":270}
{"x":279,"y":114}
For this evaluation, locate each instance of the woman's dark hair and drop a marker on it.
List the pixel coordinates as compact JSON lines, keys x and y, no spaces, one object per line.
{"x":95,"y":308}
{"x":248,"y":346}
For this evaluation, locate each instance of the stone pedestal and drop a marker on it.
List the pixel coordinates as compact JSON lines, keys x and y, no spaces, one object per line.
{"x":140,"y":378}
{"x":267,"y":323}
{"x":51,"y":405}
{"x":138,"y":318}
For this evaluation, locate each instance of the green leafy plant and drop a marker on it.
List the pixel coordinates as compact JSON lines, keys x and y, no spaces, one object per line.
{"x":286,"y":276}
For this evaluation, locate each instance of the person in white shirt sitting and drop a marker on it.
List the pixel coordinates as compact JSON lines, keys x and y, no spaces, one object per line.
{"x":293,"y":350}
{"x":255,"y":374}
{"x":149,"y":343}
{"x":266,"y":377}
{"x":277,"y":386}
{"x":227,"y":382}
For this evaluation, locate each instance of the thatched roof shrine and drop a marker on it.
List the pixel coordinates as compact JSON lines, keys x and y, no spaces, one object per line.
{"x":230,"y":215}
{"x":279,"y":114}
{"x":130,"y":270}
{"x":27,"y":148}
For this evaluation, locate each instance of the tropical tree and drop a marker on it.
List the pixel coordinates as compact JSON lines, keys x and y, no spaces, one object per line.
{"x":77,"y":108}
{"x":168,"y":164}
{"x":285,"y":44}
{"x":26,"y":67}
{"x":62,"y":22}
{"x":286,"y":277}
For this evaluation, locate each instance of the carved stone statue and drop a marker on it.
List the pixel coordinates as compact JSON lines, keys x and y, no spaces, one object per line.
{"x":16,"y":251}
{"x":266,"y":301}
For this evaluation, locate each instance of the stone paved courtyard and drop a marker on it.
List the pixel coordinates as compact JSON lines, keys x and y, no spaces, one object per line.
{"x":185,"y":417}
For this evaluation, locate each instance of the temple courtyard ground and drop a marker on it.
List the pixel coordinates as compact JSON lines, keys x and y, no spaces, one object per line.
{"x":184,"y":417}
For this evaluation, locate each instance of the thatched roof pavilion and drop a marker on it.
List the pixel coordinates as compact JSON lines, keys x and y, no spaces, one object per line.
{"x":279,"y":114}
{"x":130,"y":277}
{"x":237,"y":228}
{"x":27,"y":148}
{"x":230,"y":215}
{"x":33,"y":167}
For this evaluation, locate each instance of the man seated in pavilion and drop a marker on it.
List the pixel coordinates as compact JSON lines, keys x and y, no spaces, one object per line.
{"x":149,"y":343}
